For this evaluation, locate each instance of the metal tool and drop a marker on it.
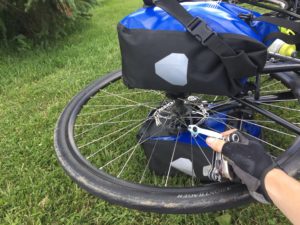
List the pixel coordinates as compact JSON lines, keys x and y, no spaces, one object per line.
{"x":220,"y":167}
{"x":195,"y":131}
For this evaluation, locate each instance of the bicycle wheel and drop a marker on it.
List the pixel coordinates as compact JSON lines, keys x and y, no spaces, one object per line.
{"x":96,"y":144}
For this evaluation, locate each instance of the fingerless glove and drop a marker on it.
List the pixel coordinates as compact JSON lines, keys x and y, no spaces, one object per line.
{"x":250,"y":163}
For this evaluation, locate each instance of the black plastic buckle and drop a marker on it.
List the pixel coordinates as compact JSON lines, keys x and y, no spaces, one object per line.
{"x":248,"y":18}
{"x":199,"y":29}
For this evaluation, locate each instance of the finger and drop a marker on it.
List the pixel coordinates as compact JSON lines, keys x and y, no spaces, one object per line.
{"x":227,"y":133}
{"x":215,"y":144}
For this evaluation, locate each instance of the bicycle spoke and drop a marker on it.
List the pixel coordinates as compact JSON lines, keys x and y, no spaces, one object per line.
{"x":130,"y":156}
{"x":92,"y":128}
{"x":116,"y":106}
{"x":105,"y":110}
{"x":260,"y":121}
{"x":117,"y":139}
{"x":92,"y":106}
{"x":157,"y":93}
{"x":175,"y":145}
{"x":237,"y":119}
{"x":150,"y":158}
{"x":105,"y":136}
{"x":278,"y":106}
{"x":231,"y":119}
{"x":285,"y":100}
{"x":230,"y":127}
{"x":122,"y":94}
{"x":104,"y":123}
{"x":200,"y":146}
{"x":142,"y":104}
{"x":275,"y":91}
{"x":131,"y":149}
{"x":130,"y":100}
{"x":270,"y":85}
{"x":202,"y":149}
{"x":192,"y":158}
{"x":294,"y":117}
{"x":265,"y":127}
{"x":271,"y":129}
{"x":113,"y":160}
{"x":261,"y":140}
{"x":148,"y":162}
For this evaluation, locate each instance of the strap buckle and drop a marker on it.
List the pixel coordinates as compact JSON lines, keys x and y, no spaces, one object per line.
{"x":199,"y":29}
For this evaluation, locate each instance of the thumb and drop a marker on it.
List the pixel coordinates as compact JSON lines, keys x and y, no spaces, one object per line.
{"x":215,"y":144}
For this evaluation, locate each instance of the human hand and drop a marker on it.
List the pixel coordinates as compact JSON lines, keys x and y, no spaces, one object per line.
{"x":249,"y":161}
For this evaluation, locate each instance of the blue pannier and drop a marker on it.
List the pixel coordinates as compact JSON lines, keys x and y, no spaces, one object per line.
{"x":159,"y":51}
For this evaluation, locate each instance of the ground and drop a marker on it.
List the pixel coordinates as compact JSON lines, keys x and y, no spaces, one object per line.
{"x":34,"y":88}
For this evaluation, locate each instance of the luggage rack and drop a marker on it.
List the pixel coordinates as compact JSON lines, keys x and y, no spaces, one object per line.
{"x":280,"y":63}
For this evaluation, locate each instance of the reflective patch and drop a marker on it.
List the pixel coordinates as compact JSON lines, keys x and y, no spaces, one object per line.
{"x":206,"y":170}
{"x":184,"y":165}
{"x":173,"y":69}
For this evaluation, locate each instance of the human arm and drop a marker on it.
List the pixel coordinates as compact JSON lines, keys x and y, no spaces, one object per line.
{"x":285,"y":193}
{"x":256,"y":169}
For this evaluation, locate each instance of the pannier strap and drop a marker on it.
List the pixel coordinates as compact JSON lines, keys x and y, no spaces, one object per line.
{"x":207,"y":37}
{"x":294,"y":26}
{"x":200,"y":30}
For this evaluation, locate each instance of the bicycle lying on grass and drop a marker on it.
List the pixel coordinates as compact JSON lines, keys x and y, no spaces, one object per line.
{"x":136,"y":147}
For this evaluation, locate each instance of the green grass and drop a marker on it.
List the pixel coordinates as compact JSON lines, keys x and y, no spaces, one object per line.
{"x":34,"y":88}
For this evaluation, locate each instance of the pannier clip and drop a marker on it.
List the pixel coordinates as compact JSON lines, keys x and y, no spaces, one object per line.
{"x":200,"y":30}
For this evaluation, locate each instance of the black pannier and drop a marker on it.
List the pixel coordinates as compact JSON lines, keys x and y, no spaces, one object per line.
{"x":170,"y":149}
{"x":197,"y":60}
{"x":187,"y":158}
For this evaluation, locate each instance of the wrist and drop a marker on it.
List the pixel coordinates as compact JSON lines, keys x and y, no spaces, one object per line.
{"x":263,"y":185}
{"x":271,"y":179}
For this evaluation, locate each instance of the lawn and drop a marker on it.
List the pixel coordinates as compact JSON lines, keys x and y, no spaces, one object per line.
{"x":34,"y":88}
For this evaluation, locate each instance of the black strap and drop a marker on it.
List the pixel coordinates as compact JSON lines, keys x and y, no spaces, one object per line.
{"x":197,"y":27}
{"x":174,"y":8}
{"x":207,"y":37}
{"x":294,"y":26}
{"x":289,"y":39}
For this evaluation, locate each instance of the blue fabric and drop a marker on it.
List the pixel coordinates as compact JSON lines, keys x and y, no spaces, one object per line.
{"x":216,"y":123}
{"x":221,"y":17}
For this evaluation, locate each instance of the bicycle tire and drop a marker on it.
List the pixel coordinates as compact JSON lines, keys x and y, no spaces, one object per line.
{"x":212,"y":197}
